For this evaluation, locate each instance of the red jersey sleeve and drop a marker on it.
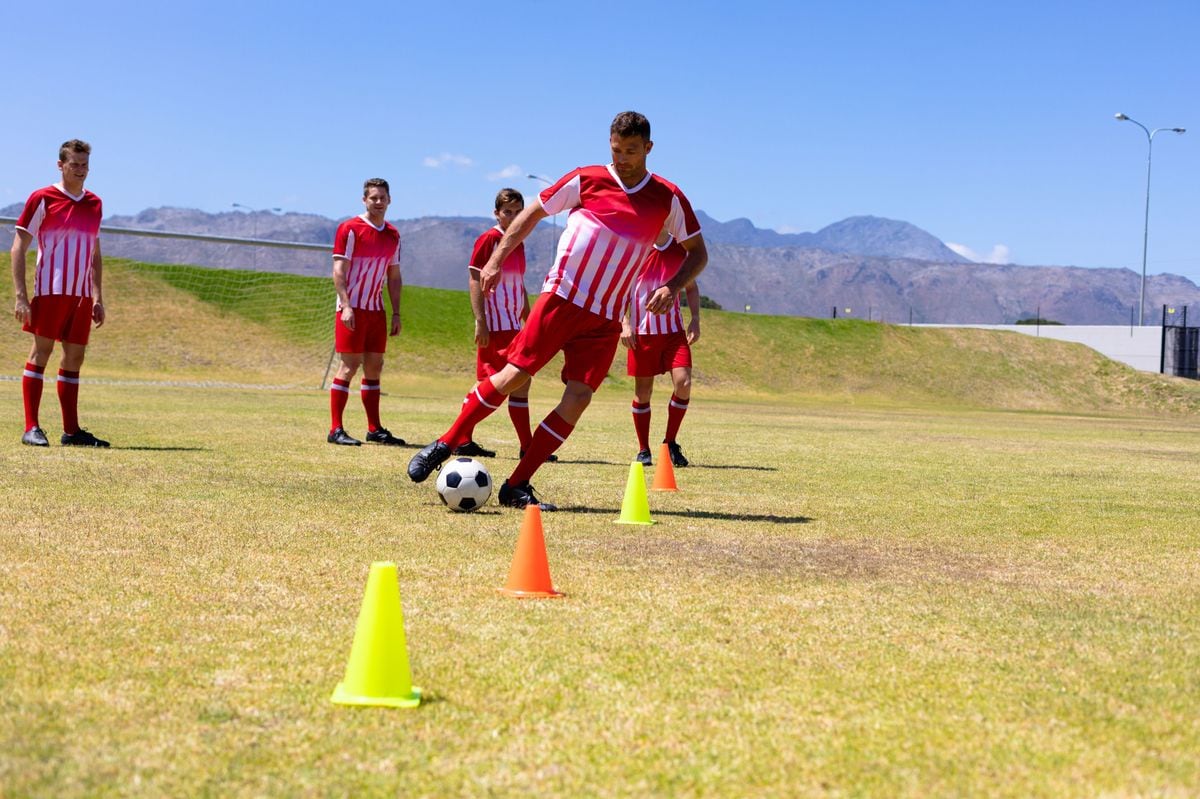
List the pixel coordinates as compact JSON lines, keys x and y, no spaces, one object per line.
{"x":485,"y":245}
{"x":681,"y":221}
{"x":31,"y":215}
{"x":342,"y":241}
{"x":563,"y":195}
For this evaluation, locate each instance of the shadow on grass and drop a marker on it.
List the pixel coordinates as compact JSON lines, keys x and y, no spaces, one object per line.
{"x":163,"y":449}
{"x":768,"y":518}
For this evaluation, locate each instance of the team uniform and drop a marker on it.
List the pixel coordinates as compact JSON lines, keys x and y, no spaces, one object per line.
{"x":502,"y":308}
{"x":66,"y":229}
{"x":661,"y":341}
{"x":369,"y":252}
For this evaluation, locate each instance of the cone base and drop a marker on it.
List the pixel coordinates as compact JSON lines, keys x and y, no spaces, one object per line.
{"x":652,"y":488}
{"x":630,"y":521}
{"x":513,"y":592}
{"x":342,"y":697}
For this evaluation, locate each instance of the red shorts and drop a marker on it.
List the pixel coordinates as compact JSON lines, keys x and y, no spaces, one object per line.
{"x":61,"y":317}
{"x":369,"y":333}
{"x":491,"y":359}
{"x":660,"y":353}
{"x":587,"y":341}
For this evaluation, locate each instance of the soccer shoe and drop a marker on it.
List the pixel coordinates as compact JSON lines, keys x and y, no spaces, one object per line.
{"x":521,"y":495}
{"x":427,"y":460}
{"x":643,"y":457}
{"x":82,"y":438}
{"x":473,"y":450}
{"x":677,"y":458}
{"x":384,"y":436}
{"x":35,"y":437}
{"x":340,"y":436}
{"x":551,"y":458}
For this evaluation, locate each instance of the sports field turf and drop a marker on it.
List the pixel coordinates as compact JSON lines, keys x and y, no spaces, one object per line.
{"x":852,"y":594}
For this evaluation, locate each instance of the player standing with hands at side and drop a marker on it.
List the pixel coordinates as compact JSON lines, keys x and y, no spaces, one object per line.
{"x":617,"y":212}
{"x":67,"y":289}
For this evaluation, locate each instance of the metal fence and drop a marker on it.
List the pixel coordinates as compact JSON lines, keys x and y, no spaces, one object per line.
{"x":1180,"y":346}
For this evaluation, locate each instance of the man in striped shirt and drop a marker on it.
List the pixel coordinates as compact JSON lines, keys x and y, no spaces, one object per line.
{"x":67,"y":289}
{"x":616,"y":213}
{"x":366,"y":249}
{"x":658,"y":344}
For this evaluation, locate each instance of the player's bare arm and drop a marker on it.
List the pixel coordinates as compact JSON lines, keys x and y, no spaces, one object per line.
{"x":628,"y":334}
{"x":99,"y":314}
{"x":693,"y":264}
{"x":517,"y":232}
{"x":475,"y":290}
{"x":20,"y":250}
{"x":693,"y":300}
{"x":395,"y":286}
{"x":340,"y":265}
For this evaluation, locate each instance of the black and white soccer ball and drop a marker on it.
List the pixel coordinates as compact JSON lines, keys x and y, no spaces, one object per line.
{"x":464,"y":484}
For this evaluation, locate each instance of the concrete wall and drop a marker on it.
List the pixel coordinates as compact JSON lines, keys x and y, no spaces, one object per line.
{"x":1140,"y":347}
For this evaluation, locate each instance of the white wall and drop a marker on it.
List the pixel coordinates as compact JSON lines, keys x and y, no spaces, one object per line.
{"x":1140,"y":347}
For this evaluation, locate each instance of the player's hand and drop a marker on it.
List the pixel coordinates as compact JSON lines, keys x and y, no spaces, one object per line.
{"x":21,"y":311}
{"x":661,"y":300}
{"x":396,"y":325}
{"x":482,"y":334}
{"x":693,"y":331}
{"x":489,"y":276}
{"x":348,"y":317}
{"x":98,"y":314}
{"x":628,"y":336}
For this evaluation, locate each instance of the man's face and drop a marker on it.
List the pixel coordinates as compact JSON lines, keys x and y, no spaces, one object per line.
{"x":75,"y":168}
{"x":377,"y":201}
{"x":506,"y":213}
{"x":629,"y":157}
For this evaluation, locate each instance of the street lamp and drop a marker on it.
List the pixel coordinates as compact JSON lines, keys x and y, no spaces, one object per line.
{"x":1146,"y":225}
{"x":254,"y":212}
{"x":553,"y":219}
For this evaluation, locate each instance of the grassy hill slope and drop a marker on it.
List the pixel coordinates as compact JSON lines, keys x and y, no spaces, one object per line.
{"x":190,"y":323}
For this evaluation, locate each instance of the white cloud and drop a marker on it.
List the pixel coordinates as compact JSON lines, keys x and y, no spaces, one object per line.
{"x":510,"y":171}
{"x":999,"y":254}
{"x":439,"y":161}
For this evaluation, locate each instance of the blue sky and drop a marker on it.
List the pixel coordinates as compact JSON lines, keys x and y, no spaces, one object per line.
{"x":989,"y":125}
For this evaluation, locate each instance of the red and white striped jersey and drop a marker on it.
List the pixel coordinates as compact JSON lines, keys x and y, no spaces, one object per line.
{"x":66,"y":229}
{"x":661,"y":266}
{"x":370,"y":251}
{"x":502,"y":308}
{"x":610,"y":229}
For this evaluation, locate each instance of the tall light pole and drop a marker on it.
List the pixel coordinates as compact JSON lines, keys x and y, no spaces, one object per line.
{"x":254,"y":212}
{"x":1146,"y":225}
{"x":553,"y":219}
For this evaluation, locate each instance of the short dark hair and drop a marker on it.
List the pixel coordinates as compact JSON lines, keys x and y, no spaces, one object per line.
{"x":630,"y":123}
{"x":377,"y":183}
{"x":73,"y":146}
{"x":505,"y":196}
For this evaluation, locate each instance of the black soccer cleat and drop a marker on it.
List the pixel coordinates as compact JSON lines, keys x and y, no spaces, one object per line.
{"x":340,"y":436}
{"x":384,"y":436}
{"x":425,"y":462}
{"x":473,"y":450}
{"x":643,"y":457}
{"x":521,"y":495}
{"x":35,"y":437}
{"x":82,"y":438}
{"x":676,"y":454}
{"x":551,"y":458}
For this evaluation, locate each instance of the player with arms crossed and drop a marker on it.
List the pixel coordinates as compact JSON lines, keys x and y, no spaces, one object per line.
{"x":499,"y":315}
{"x":657,"y":344}
{"x":616,"y":214}
{"x":366,"y":249}
{"x":67,"y":289}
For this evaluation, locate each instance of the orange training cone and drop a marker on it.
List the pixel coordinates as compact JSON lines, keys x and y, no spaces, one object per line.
{"x":377,"y":673}
{"x":635,"y":508}
{"x":529,"y":577}
{"x":664,"y":473}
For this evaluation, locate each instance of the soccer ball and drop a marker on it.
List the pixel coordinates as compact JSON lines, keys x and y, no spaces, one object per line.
{"x":464,"y":484}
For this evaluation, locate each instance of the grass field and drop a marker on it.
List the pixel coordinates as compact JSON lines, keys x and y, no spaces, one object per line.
{"x":860,"y":590}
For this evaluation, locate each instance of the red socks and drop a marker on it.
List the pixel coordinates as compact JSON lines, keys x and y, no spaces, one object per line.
{"x":369,"y":390}
{"x":32,"y":382}
{"x":518,"y":411}
{"x":478,"y":405}
{"x":675,"y":411}
{"x":641,"y":423}
{"x":68,"y":398}
{"x":339,"y":395}
{"x":548,"y":437}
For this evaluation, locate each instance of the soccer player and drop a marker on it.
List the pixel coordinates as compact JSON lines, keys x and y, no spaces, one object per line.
{"x":68,"y":291}
{"x":365,"y":250}
{"x":616,"y":214}
{"x":657,"y":344}
{"x":499,"y":315}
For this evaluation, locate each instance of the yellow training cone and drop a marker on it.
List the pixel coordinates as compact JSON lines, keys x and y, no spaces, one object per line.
{"x":635,"y":508}
{"x":377,"y":673}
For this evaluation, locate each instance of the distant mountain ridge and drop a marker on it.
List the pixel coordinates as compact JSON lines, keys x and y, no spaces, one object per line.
{"x":866,"y":267}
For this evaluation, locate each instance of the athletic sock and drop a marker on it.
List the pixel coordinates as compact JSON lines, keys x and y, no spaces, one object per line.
{"x":478,"y":405}
{"x":549,"y":436}
{"x":641,"y":423}
{"x":32,"y":381}
{"x":369,"y":390}
{"x":518,"y":411}
{"x":339,"y":395}
{"x":675,"y":411}
{"x":68,"y":398}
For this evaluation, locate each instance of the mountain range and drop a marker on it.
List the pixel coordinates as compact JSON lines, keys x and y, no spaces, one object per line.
{"x":864,"y":266}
